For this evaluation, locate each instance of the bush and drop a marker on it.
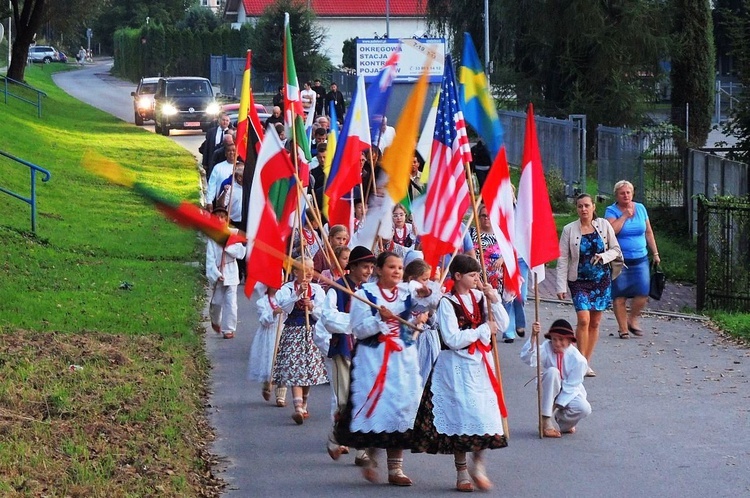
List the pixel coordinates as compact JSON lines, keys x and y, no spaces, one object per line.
{"x":556,"y":188}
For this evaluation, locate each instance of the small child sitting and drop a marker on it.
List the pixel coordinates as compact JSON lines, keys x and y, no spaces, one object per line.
{"x":563,"y":369}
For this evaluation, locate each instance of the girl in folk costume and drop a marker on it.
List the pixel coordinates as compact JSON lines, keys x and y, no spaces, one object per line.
{"x":311,"y":234}
{"x":385,"y":381}
{"x":342,"y":256}
{"x":403,"y":232}
{"x":337,"y":326}
{"x":460,"y":407}
{"x":261,"y":350}
{"x":428,"y":340}
{"x":338,"y":236}
{"x":299,"y":362}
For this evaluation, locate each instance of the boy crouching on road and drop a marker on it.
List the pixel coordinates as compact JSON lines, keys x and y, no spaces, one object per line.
{"x":563,"y":368}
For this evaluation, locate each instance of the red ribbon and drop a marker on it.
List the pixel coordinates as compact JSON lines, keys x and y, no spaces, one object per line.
{"x":484,"y":349}
{"x":390,"y":346}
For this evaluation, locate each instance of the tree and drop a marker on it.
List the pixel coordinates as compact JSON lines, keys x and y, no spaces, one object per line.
{"x":307,"y":40}
{"x":349,"y":53}
{"x":693,"y":68}
{"x":737,"y":25}
{"x":199,"y":18}
{"x":28,"y":16}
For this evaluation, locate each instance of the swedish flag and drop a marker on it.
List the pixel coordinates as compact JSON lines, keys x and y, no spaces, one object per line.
{"x":476,"y":101}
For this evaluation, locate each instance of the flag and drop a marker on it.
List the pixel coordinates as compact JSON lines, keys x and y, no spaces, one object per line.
{"x":424,"y":145}
{"x":332,"y":140}
{"x":249,"y":134}
{"x":536,"y":233}
{"x":476,"y":100}
{"x":379,"y":93}
{"x":497,"y":194}
{"x":269,"y":225}
{"x":447,"y":197}
{"x":396,"y":165}
{"x":346,"y":170}
{"x":293,"y":111}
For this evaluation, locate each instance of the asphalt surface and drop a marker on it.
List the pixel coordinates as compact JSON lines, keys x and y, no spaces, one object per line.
{"x":671,"y":411}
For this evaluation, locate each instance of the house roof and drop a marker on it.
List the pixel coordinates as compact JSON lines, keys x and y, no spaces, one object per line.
{"x":339,"y":8}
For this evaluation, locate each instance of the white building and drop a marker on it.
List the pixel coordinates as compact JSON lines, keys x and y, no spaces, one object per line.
{"x":211,"y":4}
{"x":344,"y":19}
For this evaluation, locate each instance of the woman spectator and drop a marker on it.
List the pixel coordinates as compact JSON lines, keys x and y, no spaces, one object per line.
{"x":586,"y":247}
{"x":633,"y":229}
{"x":493,"y":260}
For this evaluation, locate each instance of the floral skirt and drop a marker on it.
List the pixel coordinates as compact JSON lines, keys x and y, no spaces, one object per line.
{"x":426,"y":438}
{"x":591,"y":295}
{"x":299,"y":362}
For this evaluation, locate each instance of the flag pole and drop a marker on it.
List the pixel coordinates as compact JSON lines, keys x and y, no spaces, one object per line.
{"x":538,"y":358}
{"x":490,"y":316}
{"x":281,"y":322}
{"x":276,"y":253}
{"x":326,"y":243}
{"x":299,"y":208}
{"x":444,"y":275}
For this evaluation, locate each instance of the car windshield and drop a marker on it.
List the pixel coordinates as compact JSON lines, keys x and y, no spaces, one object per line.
{"x":148,"y":88}
{"x":188,"y":88}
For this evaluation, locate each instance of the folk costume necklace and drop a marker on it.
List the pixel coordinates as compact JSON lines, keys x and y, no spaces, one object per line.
{"x":399,"y":239}
{"x":393,"y":291}
{"x":309,"y":236}
{"x":475,"y":316}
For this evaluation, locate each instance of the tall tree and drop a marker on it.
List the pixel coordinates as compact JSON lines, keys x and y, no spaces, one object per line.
{"x":737,"y":25}
{"x":28,"y":16}
{"x":307,"y":40}
{"x":693,"y":68}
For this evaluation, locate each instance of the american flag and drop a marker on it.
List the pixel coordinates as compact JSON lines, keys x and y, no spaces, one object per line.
{"x":447,"y":197}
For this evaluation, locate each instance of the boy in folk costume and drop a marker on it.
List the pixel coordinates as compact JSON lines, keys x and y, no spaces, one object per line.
{"x":336,"y":321}
{"x":563,"y":369}
{"x":264,"y":342}
{"x":299,"y":362}
{"x":223,"y":277}
{"x":385,"y":381}
{"x":460,"y":408}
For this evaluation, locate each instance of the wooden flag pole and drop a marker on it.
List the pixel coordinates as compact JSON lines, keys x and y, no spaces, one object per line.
{"x":279,"y":325}
{"x":538,"y":359}
{"x":328,"y":253}
{"x":490,"y":316}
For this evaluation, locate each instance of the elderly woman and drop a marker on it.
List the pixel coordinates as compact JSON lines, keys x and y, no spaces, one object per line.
{"x":630,"y":222}
{"x":586,"y":247}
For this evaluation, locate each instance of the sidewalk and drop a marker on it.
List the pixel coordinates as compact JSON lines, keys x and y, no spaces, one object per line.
{"x":677,"y":297}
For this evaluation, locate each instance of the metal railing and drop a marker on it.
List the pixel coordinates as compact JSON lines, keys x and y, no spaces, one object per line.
{"x":32,"y":199}
{"x":29,"y":100}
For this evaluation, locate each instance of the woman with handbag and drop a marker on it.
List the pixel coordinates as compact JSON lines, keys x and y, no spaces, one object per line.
{"x":588,"y":246}
{"x":633,"y":229}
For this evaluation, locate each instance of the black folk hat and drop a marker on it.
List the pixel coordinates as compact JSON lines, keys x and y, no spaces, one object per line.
{"x":360,"y":255}
{"x":561,"y":327}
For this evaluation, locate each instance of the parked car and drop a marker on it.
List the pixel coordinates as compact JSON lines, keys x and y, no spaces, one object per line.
{"x":233,"y":110}
{"x":143,"y":100}
{"x":63,"y":57}
{"x":185,"y":103}
{"x":43,"y":53}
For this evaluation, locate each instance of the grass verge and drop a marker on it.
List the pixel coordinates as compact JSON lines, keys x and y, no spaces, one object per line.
{"x":106,"y":284}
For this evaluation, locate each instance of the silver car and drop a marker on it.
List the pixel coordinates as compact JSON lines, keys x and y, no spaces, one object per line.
{"x":43,"y":53}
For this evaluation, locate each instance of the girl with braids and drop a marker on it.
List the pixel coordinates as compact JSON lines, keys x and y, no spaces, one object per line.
{"x":460,"y":407}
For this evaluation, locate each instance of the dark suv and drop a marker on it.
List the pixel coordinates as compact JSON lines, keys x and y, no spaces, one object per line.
{"x":184,"y":103}
{"x":143,"y":100}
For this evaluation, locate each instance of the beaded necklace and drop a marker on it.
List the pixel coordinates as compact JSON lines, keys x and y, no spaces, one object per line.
{"x":394,"y":292}
{"x":474,"y":317}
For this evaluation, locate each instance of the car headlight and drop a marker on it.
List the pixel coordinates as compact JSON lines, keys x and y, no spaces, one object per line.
{"x":213,"y":108}
{"x":169,"y":110}
{"x":144,"y":103}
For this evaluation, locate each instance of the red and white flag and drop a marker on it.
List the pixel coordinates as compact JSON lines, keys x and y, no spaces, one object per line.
{"x":536,"y":233}
{"x":498,"y":199}
{"x":267,"y":225}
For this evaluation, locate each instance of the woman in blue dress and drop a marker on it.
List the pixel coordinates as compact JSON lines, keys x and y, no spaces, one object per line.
{"x":587,"y":246}
{"x":633,"y":229}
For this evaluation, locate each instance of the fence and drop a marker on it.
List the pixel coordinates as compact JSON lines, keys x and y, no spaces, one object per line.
{"x":723,"y":258}
{"x":649,"y":159}
{"x":726,"y":97}
{"x":24,"y":93}
{"x":31,"y":200}
{"x":710,"y":176}
{"x":560,"y":141}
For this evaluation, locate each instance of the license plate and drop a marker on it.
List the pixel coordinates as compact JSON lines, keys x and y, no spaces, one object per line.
{"x":192,"y":123}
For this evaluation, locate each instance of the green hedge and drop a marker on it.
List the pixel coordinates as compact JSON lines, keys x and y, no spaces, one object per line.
{"x":155,"y":50}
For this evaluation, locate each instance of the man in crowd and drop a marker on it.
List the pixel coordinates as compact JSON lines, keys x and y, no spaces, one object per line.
{"x":214,"y":139}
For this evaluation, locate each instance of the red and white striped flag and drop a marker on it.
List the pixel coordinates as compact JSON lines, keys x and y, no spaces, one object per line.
{"x":536,"y":233}
{"x":498,"y":199}
{"x":447,"y":197}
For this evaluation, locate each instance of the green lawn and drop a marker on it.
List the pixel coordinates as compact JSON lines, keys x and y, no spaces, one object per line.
{"x":108,"y":284}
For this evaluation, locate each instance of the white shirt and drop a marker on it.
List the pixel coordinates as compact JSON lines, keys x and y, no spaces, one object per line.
{"x":221,"y":172}
{"x":386,"y":137}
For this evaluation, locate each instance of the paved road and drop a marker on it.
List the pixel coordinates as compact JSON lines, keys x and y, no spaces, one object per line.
{"x":671,"y":417}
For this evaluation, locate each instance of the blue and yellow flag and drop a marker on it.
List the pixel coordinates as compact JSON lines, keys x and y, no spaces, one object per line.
{"x":476,"y":101}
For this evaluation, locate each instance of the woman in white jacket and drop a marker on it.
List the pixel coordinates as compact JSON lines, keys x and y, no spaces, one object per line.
{"x":587,"y":246}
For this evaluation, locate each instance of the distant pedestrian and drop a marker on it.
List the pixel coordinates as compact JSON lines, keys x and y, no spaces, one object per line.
{"x":320,"y":99}
{"x":337,"y":98}
{"x":81,"y":57}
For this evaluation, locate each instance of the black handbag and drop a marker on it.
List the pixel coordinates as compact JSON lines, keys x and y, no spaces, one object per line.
{"x":658,"y":280}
